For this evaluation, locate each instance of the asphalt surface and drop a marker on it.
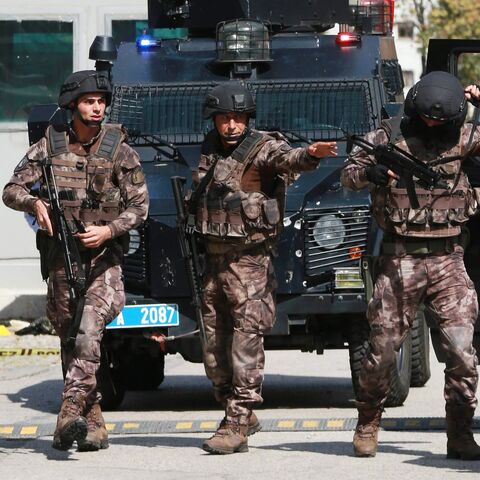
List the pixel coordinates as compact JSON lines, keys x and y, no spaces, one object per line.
{"x":308,"y":418}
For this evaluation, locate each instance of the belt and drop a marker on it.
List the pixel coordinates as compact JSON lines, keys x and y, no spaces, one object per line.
{"x":396,"y":245}
{"x":226,"y":248}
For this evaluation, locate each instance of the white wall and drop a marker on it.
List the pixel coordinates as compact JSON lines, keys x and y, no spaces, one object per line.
{"x":21,"y":289}
{"x":407,"y":50}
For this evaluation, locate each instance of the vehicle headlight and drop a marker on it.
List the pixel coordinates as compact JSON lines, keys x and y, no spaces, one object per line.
{"x":329,"y":232}
{"x":135,"y":241}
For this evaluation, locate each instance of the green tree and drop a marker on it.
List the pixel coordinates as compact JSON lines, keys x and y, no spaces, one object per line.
{"x":458,"y":19}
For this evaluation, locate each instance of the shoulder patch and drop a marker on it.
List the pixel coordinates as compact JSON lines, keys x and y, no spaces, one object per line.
{"x":138,"y":176}
{"x":21,"y":165}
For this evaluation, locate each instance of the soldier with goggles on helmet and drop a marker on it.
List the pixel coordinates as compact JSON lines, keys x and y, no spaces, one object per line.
{"x":421,"y":259}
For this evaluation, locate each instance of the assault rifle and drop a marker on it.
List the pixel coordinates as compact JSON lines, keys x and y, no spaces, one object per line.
{"x":189,"y":253}
{"x":76,"y":280}
{"x":405,"y":165}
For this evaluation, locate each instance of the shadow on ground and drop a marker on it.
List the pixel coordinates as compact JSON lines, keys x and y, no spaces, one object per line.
{"x":424,"y":458}
{"x":194,"y":392}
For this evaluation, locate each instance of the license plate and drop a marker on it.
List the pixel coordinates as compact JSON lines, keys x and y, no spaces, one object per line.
{"x":145,"y":316}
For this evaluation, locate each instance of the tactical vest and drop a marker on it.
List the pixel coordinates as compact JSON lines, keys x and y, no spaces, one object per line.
{"x":226,"y":213}
{"x":441,"y":212}
{"x":84,"y":183}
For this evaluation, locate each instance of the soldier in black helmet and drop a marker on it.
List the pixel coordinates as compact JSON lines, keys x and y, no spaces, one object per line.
{"x":240,"y":188}
{"x":421,"y":260}
{"x":102,"y":188}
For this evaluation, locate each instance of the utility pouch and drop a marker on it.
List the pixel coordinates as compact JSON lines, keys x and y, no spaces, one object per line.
{"x":368,"y":265}
{"x":48,"y":248}
{"x":271,"y":211}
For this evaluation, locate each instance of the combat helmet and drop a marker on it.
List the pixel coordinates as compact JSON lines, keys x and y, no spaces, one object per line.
{"x":229,"y":97}
{"x":84,"y":81}
{"x":439,"y":96}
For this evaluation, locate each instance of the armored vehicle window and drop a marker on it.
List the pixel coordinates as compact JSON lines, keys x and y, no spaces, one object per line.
{"x":316,"y":110}
{"x":469,"y":68}
{"x":35,"y":57}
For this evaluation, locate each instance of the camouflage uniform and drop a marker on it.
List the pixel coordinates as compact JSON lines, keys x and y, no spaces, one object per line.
{"x":239,"y":284}
{"x":435,"y":277}
{"x":105,"y":291}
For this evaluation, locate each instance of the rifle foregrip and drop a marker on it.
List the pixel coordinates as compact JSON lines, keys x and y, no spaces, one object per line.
{"x":177,"y":187}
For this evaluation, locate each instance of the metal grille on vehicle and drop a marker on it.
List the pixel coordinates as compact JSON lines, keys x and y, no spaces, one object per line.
{"x":312,"y":109}
{"x":135,"y":262}
{"x":334,"y":237}
{"x":315,"y":110}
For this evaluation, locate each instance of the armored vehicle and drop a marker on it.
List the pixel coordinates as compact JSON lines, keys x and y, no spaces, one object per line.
{"x":309,"y":85}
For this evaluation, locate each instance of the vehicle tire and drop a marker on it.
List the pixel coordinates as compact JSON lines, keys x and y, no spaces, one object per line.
{"x":401,"y":374}
{"x":110,"y":384}
{"x":359,"y":332}
{"x":420,"y":351}
{"x":358,"y":335}
{"x":143,"y":372}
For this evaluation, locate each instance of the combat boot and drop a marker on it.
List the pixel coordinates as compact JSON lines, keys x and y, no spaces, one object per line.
{"x":97,"y":436}
{"x":231,"y":437}
{"x":365,"y":439}
{"x":460,"y":441}
{"x":71,"y":424}
{"x":253,"y":424}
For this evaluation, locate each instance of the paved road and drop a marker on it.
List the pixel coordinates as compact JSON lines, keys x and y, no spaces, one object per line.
{"x":302,"y":392}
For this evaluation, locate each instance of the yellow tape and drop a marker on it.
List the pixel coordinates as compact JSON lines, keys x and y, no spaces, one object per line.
{"x":10,"y":352}
{"x":6,"y":430}
{"x":311,"y":424}
{"x":110,"y":426}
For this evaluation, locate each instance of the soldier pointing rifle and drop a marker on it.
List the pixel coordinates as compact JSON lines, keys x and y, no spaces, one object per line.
{"x":421,"y":257}
{"x":238,"y":213}
{"x":100,"y":186}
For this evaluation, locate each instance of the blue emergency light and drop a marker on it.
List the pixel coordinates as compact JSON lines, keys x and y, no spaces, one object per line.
{"x":146,"y":41}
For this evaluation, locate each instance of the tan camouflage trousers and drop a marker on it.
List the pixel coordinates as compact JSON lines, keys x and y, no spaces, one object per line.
{"x":403,"y":283}
{"x":104,"y":299}
{"x":238,"y":309}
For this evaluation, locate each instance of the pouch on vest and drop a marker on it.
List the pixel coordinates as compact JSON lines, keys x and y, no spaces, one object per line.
{"x":271,"y":211}
{"x":49,"y":250}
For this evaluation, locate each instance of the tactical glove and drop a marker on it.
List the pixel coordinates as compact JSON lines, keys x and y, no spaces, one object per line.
{"x":378,"y":175}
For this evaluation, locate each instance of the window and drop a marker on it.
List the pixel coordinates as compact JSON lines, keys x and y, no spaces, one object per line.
{"x":129,"y":30}
{"x":35,"y":58}
{"x":469,"y":68}
{"x":405,"y":29}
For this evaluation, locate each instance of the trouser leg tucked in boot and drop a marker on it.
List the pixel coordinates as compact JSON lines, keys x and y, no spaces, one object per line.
{"x":71,"y":424}
{"x":365,"y":439}
{"x":460,"y":443}
{"x":253,"y":424}
{"x":231,"y":437}
{"x":97,"y":436}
